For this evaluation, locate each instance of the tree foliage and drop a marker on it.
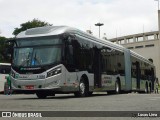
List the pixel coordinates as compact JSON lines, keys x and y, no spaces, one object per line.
{"x":3,"y":54}
{"x":6,"y":48}
{"x":30,"y":24}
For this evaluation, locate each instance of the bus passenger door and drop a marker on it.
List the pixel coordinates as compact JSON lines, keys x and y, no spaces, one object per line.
{"x":97,"y":68}
{"x":138,"y":75}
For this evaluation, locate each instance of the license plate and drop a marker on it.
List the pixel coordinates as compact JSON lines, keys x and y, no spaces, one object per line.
{"x":29,"y":87}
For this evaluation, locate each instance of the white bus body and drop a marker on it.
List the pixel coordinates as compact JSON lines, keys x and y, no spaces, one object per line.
{"x":4,"y":71}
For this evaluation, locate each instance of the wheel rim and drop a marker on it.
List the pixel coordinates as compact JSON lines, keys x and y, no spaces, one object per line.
{"x":146,"y":89}
{"x":82,"y":88}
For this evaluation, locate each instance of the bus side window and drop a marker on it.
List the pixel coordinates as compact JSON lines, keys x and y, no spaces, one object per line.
{"x":69,"y":54}
{"x":2,"y":71}
{"x":70,"y":57}
{"x":5,"y":70}
{"x":8,"y":69}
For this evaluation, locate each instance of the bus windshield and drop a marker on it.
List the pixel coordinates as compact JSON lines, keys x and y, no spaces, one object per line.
{"x":37,"y":55}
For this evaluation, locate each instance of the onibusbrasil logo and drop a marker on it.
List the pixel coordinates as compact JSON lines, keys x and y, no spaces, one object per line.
{"x":21,"y":114}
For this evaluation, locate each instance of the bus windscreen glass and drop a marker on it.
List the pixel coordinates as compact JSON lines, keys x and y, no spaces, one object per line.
{"x":37,"y":51}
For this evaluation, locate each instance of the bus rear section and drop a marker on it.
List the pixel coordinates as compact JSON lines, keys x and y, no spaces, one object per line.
{"x":143,"y":74}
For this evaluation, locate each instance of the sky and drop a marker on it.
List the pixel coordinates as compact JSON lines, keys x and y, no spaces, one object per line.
{"x":120,"y":17}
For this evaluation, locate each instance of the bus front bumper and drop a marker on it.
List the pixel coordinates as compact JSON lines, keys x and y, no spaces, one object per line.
{"x":58,"y":90}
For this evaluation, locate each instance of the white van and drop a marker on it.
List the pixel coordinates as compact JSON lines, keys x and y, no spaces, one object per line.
{"x":5,"y":69}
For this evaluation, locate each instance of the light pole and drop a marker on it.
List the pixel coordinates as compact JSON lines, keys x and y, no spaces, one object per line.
{"x":159,"y":34}
{"x":158,"y":3}
{"x":99,"y":24}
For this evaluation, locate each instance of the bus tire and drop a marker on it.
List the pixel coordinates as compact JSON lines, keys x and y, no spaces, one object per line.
{"x":83,"y":89}
{"x":150,"y":89}
{"x":41,"y":95}
{"x":110,"y":92}
{"x":117,"y":87}
{"x":90,"y":93}
{"x":146,"y":89}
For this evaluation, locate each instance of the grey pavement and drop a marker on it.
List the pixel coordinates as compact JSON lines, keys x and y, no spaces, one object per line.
{"x":97,"y":102}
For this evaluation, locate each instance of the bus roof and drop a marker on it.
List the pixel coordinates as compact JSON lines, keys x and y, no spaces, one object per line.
{"x":57,"y":30}
{"x":5,"y":64}
{"x":44,"y":31}
{"x":141,"y":57}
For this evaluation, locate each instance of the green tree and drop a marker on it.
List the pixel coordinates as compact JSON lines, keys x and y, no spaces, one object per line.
{"x":2,"y":49}
{"x":30,"y":24}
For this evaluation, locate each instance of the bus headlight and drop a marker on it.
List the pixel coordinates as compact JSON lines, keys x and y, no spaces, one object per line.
{"x":54,"y":72}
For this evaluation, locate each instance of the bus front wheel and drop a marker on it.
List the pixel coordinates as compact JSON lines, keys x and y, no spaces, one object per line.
{"x":83,"y":89}
{"x":41,"y":95}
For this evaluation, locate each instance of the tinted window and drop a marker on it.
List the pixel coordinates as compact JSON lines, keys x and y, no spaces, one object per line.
{"x":52,"y":40}
{"x":5,"y":69}
{"x":112,"y":61}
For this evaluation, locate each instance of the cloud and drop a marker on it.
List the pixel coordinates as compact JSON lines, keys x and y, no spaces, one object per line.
{"x":124,"y":16}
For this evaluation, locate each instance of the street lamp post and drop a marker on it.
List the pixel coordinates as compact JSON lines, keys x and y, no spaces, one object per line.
{"x":158,"y":3}
{"x":99,"y":24}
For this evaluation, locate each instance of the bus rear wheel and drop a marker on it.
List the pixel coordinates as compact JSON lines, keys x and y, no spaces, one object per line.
{"x":117,"y":87}
{"x":150,"y":89}
{"x":146,"y":88}
{"x":90,"y":93}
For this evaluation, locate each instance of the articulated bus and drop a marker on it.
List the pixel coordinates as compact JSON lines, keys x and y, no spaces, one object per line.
{"x":59,"y":59}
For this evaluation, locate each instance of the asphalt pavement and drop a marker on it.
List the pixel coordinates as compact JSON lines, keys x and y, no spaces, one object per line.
{"x":97,"y":102}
